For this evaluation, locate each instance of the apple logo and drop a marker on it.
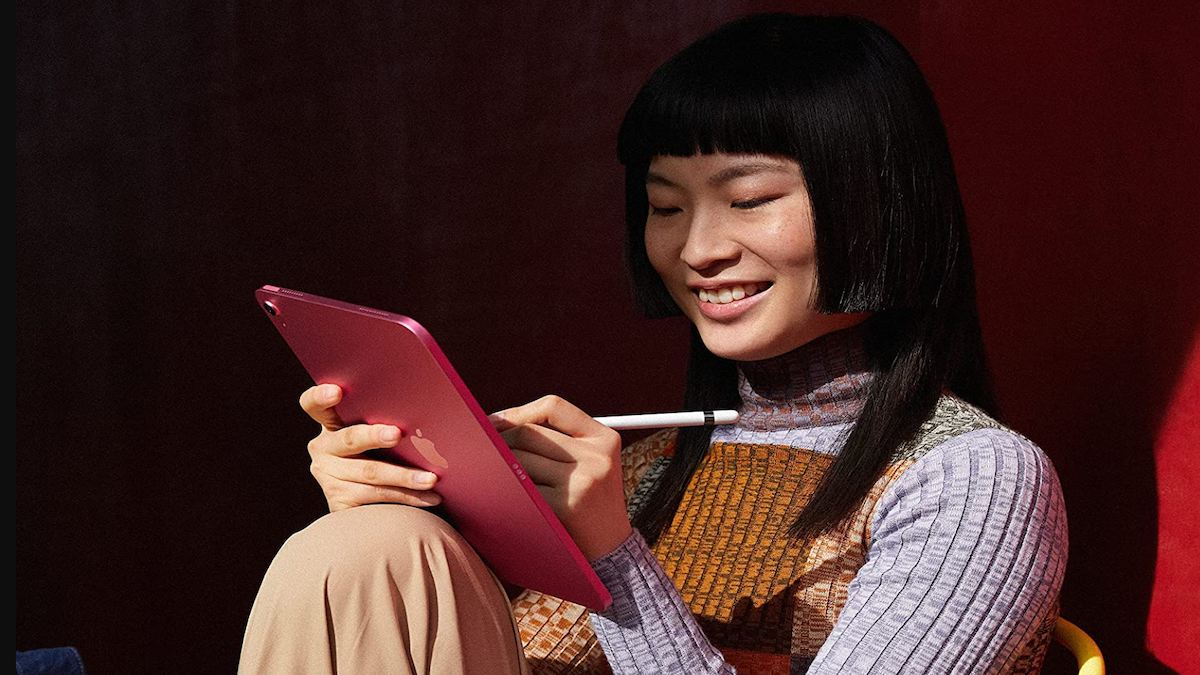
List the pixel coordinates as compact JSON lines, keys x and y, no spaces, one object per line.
{"x":430,"y":453}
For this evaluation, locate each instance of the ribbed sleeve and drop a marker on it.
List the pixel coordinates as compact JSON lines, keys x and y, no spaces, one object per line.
{"x":648,"y":629}
{"x":968,"y":548}
{"x":967,"y":555}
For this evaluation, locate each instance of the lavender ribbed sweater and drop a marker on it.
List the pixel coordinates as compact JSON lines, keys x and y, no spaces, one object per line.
{"x":963,"y":564}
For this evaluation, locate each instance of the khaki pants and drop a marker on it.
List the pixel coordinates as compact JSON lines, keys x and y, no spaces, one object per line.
{"x":381,"y":589}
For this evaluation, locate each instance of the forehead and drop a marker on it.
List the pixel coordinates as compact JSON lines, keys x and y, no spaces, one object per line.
{"x":716,"y":168}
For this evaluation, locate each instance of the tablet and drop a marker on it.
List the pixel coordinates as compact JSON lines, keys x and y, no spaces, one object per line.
{"x":392,"y":372}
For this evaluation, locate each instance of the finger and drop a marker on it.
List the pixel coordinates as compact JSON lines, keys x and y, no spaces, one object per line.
{"x":354,"y":440}
{"x":318,"y":402}
{"x":376,"y":472}
{"x":544,"y":472}
{"x":357,"y":494}
{"x":540,"y":440}
{"x":550,"y":411}
{"x":497,"y":419}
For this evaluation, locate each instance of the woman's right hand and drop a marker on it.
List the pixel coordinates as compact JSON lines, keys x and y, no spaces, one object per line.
{"x":346,"y":475}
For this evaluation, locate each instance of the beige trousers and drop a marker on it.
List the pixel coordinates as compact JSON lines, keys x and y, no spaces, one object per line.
{"x":381,"y":589}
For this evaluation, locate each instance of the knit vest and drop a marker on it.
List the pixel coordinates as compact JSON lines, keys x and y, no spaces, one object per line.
{"x":765,"y":601}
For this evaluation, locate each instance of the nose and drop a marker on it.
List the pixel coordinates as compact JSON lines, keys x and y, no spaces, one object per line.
{"x":708,"y":243}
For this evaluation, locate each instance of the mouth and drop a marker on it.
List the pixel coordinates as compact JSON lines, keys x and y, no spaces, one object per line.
{"x":723,"y":295}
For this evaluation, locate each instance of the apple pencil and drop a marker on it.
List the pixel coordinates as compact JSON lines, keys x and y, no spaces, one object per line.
{"x":678,"y":419}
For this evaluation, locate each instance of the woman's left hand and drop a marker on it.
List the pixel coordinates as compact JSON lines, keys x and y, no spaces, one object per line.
{"x":576,"y":464}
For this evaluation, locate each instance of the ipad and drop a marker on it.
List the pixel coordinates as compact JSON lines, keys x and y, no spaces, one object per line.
{"x":392,"y":372}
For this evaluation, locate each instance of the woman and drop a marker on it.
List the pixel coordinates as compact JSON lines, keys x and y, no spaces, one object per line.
{"x":790,"y":191}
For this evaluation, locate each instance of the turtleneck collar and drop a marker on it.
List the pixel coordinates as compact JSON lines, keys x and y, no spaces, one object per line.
{"x":821,"y":383}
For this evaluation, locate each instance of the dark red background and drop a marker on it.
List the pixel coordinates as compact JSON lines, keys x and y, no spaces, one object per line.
{"x":455,"y":162}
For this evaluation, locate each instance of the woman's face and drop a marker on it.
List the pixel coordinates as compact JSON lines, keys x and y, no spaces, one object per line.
{"x":732,"y":237}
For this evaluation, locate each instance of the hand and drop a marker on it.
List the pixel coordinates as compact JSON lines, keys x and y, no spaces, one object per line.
{"x":346,"y":476}
{"x":576,"y":464}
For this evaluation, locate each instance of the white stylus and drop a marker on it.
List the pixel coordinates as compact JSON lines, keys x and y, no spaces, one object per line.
{"x":678,"y":419}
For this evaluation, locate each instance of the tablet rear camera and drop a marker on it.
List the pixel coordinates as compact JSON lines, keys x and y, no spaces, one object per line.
{"x":270,"y":308}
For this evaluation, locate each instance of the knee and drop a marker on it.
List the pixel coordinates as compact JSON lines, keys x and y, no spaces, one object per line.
{"x":378,"y":549}
{"x":357,"y":541}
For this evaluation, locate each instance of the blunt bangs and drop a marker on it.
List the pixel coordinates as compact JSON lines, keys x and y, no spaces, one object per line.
{"x":845,"y":100}
{"x":727,"y":93}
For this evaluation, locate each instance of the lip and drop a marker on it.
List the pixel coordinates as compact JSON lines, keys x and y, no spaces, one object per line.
{"x":730,"y":310}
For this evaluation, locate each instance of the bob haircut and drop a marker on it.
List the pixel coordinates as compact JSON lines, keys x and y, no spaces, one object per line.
{"x":843,"y":98}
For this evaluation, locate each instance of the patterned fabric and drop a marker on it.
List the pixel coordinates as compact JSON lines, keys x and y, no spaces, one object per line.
{"x":753,"y":590}
{"x":965,"y":561}
{"x":822,"y":383}
{"x":724,"y":586}
{"x":729,"y":555}
{"x":557,"y":635}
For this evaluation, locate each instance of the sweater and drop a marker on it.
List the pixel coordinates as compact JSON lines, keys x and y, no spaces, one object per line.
{"x":951,"y":563}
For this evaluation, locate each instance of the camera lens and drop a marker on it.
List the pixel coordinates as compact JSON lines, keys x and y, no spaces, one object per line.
{"x":270,"y":307}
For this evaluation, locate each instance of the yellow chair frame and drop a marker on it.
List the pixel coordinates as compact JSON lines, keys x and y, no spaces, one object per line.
{"x":1085,"y":649}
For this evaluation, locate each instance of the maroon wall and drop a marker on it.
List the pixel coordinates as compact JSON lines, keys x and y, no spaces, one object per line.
{"x":456,"y":163}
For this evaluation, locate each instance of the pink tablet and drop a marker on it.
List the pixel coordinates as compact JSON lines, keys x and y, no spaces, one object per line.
{"x":392,"y":372}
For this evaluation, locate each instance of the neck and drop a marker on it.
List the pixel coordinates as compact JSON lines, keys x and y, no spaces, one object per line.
{"x":821,"y":383}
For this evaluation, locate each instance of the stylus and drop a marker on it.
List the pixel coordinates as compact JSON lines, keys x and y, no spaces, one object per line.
{"x":678,"y":419}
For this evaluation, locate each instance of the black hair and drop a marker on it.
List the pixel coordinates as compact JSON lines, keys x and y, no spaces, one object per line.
{"x":842,"y":97}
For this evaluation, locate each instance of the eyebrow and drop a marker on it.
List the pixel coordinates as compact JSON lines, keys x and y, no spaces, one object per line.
{"x":741,"y":170}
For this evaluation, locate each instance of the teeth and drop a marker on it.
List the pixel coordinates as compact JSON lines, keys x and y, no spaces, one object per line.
{"x":730,"y":293}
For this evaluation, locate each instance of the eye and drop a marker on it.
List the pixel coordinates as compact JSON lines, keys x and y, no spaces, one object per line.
{"x":663,"y":211}
{"x":752,"y":203}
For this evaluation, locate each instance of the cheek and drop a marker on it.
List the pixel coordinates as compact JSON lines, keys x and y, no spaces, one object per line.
{"x":794,"y":247}
{"x":659,"y":250}
{"x":795,"y":261}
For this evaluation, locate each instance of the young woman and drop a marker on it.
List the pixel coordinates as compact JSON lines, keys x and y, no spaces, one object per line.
{"x":790,"y":191}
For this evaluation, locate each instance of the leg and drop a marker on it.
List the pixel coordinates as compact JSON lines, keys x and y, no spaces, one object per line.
{"x":381,"y":589}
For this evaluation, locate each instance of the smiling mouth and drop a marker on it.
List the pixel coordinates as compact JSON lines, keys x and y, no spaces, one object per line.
{"x":728,"y":294}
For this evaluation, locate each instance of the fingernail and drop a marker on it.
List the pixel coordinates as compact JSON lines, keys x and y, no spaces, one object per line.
{"x":328,"y":393}
{"x":389,"y":435}
{"x":425,"y":478}
{"x":496,"y":418}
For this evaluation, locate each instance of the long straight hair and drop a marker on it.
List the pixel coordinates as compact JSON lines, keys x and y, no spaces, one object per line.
{"x":843,"y":98}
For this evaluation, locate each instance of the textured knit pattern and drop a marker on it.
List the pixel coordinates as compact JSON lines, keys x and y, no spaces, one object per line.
{"x":952,"y":562}
{"x":557,"y":635}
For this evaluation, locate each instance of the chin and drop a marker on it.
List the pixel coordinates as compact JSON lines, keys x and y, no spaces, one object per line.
{"x":739,"y":350}
{"x":734,"y":346}
{"x":751,"y":354}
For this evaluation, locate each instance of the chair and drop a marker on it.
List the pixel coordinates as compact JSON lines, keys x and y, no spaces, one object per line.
{"x":1086,"y":652}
